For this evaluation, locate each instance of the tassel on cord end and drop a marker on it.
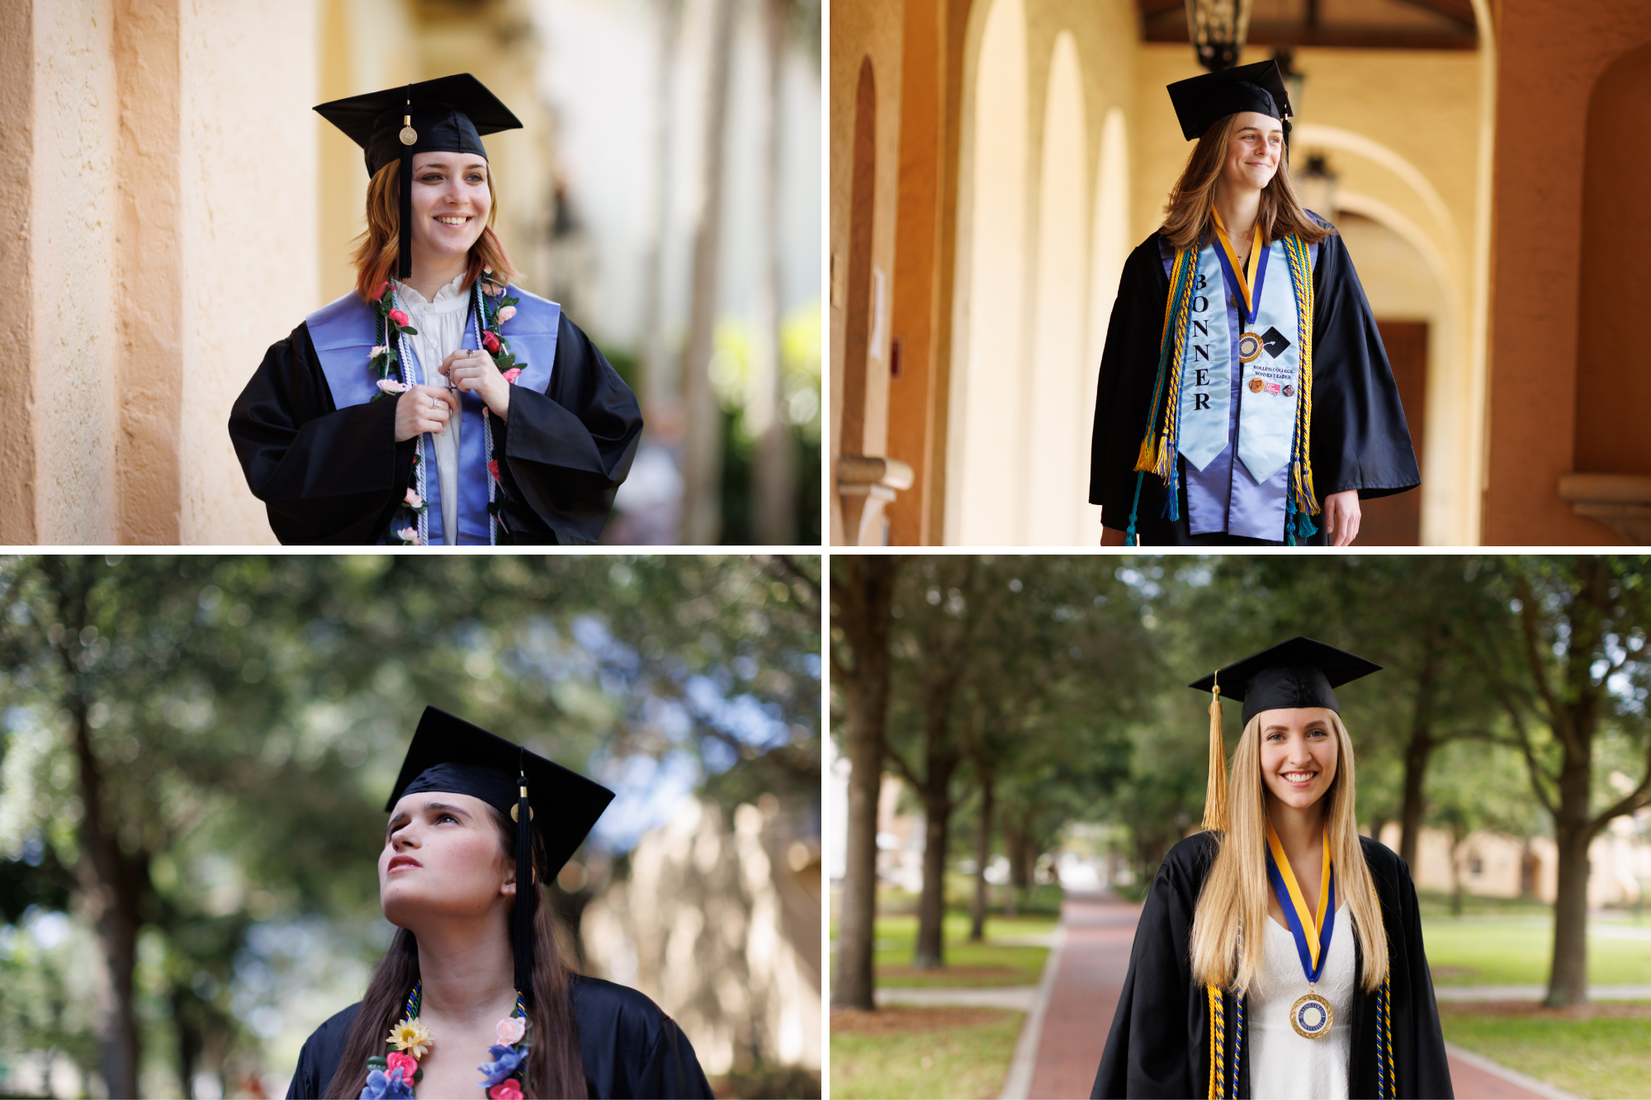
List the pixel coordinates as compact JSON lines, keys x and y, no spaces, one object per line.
{"x":1215,"y":796}
{"x":1146,"y":461}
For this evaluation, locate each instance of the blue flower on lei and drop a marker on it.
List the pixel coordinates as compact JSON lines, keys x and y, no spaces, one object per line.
{"x":507,"y":1060}
{"x":386,"y":1086}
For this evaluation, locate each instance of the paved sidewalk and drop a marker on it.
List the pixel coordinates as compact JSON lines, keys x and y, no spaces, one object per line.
{"x":1090,"y":969}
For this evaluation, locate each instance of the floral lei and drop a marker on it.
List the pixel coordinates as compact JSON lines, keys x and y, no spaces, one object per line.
{"x":392,"y":1075}
{"x":409,"y":524}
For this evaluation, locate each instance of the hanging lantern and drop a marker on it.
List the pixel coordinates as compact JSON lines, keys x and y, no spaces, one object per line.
{"x":1216,"y":29}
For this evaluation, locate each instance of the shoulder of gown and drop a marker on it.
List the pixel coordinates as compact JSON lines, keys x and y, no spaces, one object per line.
{"x":318,"y":1060}
{"x":1360,"y":437}
{"x":567,"y":450}
{"x":630,"y":1047}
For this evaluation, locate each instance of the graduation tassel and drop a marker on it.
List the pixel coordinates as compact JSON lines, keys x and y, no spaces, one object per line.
{"x":527,"y":891}
{"x":1215,"y":796}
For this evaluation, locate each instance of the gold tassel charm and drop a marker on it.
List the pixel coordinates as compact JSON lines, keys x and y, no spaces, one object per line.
{"x":1215,"y":796}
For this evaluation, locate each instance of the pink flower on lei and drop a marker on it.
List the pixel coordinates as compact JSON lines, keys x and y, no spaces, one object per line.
{"x":493,"y":468}
{"x":413,"y":500}
{"x":512,"y":374}
{"x":490,"y":341}
{"x":409,"y":535}
{"x":506,"y":314}
{"x":507,"y":1089}
{"x":511,"y":1029}
{"x":403,"y":1061}
{"x":390,"y":385}
{"x":398,"y":316}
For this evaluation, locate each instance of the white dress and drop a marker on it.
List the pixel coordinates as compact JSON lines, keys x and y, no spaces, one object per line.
{"x":1282,"y":1063}
{"x":440,"y":325}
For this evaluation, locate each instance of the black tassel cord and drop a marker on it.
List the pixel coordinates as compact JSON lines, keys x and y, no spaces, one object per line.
{"x":527,"y":892}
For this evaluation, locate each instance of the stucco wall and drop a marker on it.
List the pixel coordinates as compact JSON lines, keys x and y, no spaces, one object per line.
{"x":247,"y":169}
{"x":73,"y":357}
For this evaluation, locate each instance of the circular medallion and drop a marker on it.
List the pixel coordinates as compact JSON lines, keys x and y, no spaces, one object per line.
{"x":1311,"y":1016}
{"x":1249,"y":346}
{"x":1289,"y":391}
{"x":1256,"y":384}
{"x":408,"y":135}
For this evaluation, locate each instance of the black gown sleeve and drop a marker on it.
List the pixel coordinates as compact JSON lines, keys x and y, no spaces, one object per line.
{"x":1129,"y":364}
{"x":318,"y":1060}
{"x":1159,"y":1041}
{"x":566,"y":451}
{"x":1421,"y":1066}
{"x":325,"y":475}
{"x":1360,"y":439}
{"x":630,"y":1047}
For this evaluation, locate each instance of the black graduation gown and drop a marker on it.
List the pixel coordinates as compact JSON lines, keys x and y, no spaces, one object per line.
{"x":331,"y":475}
{"x":1359,"y":436}
{"x":630,"y":1047}
{"x":1160,"y":1039}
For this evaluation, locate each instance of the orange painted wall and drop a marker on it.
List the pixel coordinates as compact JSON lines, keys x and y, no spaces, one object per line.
{"x":1550,"y":55}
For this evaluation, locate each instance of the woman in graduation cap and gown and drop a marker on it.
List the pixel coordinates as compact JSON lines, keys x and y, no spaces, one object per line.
{"x":1279,"y":953}
{"x":437,"y":402}
{"x":473,"y":997}
{"x":1243,"y":389}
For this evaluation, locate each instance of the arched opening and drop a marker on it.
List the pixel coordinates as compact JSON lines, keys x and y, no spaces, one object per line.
{"x":1051,"y":464}
{"x":989,"y":390}
{"x":1613,"y":388}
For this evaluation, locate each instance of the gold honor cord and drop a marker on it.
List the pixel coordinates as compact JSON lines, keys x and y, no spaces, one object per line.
{"x":1245,"y":277}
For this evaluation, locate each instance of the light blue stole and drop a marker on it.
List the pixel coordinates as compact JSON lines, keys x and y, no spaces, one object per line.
{"x":345,"y":332}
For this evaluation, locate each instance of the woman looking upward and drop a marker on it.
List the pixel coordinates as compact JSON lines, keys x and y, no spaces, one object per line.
{"x":1244,"y":393}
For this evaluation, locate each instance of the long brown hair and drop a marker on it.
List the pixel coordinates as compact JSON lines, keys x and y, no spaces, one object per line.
{"x":554,"y":1062}
{"x":1188,"y":215}
{"x":1237,"y":886}
{"x":379,"y":246}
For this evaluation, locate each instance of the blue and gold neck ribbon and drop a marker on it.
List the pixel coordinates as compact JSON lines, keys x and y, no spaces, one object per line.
{"x":1311,"y":931}
{"x":1246,"y":282}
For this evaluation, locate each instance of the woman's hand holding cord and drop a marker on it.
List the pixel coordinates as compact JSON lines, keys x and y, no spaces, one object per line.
{"x":471,"y":370}
{"x":424,"y":409}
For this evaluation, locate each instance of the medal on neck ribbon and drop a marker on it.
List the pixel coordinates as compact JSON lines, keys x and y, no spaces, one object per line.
{"x":1311,"y":1015}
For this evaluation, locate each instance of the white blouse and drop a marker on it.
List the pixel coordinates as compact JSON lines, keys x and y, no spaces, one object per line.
{"x":1282,"y":1063}
{"x":440,"y":325}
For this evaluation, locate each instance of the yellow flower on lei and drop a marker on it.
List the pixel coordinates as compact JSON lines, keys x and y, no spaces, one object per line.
{"x":413,"y":1037}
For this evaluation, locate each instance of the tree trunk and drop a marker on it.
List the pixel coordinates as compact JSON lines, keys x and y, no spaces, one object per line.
{"x":1012,"y":847}
{"x":864,"y":619}
{"x":983,"y":854}
{"x":1568,"y":984}
{"x":111,"y":882}
{"x":1418,"y":749}
{"x":661,"y":385}
{"x":1456,"y":838}
{"x":773,"y":488}
{"x":702,"y":464}
{"x":931,"y":907}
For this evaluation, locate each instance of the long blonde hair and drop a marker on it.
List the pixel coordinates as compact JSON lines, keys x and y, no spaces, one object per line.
{"x":1188,"y":215}
{"x":1237,"y":885}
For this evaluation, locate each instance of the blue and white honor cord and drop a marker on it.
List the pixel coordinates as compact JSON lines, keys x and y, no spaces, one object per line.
{"x":408,"y":379}
{"x":487,"y":431}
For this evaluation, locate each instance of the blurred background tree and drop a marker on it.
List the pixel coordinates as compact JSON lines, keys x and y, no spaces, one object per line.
{"x":195,"y":753}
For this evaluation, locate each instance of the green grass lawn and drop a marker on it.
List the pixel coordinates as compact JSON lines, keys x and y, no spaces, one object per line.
{"x":1519,"y":950}
{"x":897,"y":1052}
{"x":1606,"y":1056}
{"x":967,"y":964}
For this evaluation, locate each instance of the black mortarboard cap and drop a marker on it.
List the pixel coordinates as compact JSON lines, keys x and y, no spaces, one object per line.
{"x":1202,"y":100}
{"x":1296,"y":673}
{"x":451,"y":755}
{"x":445,"y":115}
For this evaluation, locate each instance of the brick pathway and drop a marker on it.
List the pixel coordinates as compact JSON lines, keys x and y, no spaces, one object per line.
{"x":1092,"y":966}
